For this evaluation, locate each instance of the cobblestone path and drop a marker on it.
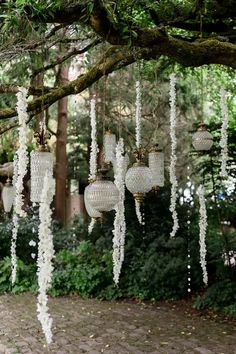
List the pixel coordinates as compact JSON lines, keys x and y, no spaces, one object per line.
{"x":90,"y":326}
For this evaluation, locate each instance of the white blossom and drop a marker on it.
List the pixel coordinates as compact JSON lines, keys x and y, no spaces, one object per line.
{"x":173,"y":158}
{"x":91,"y":225}
{"x":202,"y":231}
{"x":138,"y":114}
{"x":224,"y":135}
{"x":45,"y":255}
{"x":94,"y":145}
{"x":32,"y":243}
{"x":119,"y":221}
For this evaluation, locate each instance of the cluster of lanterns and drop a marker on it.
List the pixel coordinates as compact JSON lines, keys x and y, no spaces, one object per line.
{"x":41,"y":161}
{"x":102,"y":195}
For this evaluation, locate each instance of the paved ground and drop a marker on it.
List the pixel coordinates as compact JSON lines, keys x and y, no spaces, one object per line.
{"x":91,"y":326}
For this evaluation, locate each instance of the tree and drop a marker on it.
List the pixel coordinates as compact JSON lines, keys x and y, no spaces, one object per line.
{"x":61,"y":156}
{"x":191,"y":33}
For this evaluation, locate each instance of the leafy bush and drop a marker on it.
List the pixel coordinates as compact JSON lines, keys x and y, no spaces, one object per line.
{"x":27,"y":232}
{"x":155,"y":266}
{"x":84,"y":271}
{"x":218,"y":296}
{"x":25,"y":278}
{"x":231,"y":311}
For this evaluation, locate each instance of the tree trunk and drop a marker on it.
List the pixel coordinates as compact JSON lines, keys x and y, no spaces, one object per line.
{"x":61,"y":156}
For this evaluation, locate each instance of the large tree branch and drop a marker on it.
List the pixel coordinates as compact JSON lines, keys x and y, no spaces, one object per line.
{"x":115,"y":31}
{"x":187,"y":53}
{"x":114,"y":58}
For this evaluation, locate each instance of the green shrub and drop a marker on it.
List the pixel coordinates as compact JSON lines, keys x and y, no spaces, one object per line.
{"x":218,"y":296}
{"x":28,"y":228}
{"x":230,"y":311}
{"x":83,"y":271}
{"x":25,"y":277}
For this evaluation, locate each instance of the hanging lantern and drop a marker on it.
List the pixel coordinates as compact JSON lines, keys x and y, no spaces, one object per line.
{"x":103,"y":194}
{"x":156,"y":165}
{"x":93,"y":213}
{"x":109,"y":147}
{"x":8,"y":195}
{"x":202,"y":140}
{"x":40,"y":163}
{"x":138,"y":180}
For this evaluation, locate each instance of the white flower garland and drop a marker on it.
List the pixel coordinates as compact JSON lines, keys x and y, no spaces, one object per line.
{"x":138,"y":114}
{"x":22,"y":154}
{"x":94,"y":145}
{"x":173,"y":157}
{"x":19,"y":171}
{"x":224,"y":135}
{"x":119,"y":221}
{"x":15,"y":220}
{"x":45,"y":255}
{"x":202,"y":233}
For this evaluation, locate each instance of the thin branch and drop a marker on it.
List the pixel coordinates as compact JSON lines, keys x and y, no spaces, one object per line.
{"x":72,"y":52}
{"x":31,"y":90}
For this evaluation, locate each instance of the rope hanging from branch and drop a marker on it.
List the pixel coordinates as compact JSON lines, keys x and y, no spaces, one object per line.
{"x":94,"y":145}
{"x":138,"y":113}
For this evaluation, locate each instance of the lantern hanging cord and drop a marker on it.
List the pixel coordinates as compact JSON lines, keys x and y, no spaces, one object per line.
{"x":201,"y":72}
{"x":105,"y":125}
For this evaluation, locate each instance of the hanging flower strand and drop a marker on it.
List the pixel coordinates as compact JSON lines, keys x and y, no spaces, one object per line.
{"x":94,"y":145}
{"x":15,"y":226}
{"x":224,"y":135}
{"x":173,"y":157}
{"x":138,"y":114}
{"x":119,"y":221}
{"x":45,"y":255}
{"x":20,"y":169}
{"x":202,"y":233}
{"x":22,"y":155}
{"x":93,"y":152}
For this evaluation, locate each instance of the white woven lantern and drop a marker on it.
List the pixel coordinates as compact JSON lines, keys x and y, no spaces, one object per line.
{"x":138,"y":180}
{"x":8,"y":195}
{"x":202,"y":140}
{"x":40,"y":163}
{"x":109,"y":147}
{"x":103,"y":195}
{"x":93,"y":213}
{"x":156,"y":165}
